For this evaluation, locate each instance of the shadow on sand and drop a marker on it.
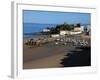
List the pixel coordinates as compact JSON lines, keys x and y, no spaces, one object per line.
{"x":78,"y":58}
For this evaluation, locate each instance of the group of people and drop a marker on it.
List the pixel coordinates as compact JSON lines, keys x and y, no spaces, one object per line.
{"x":73,"y":41}
{"x":60,"y":40}
{"x":38,"y":42}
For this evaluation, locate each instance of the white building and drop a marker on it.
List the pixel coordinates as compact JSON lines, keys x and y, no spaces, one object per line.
{"x":82,"y":28}
{"x":55,"y":35}
{"x":88,"y":28}
{"x":73,"y":33}
{"x":46,"y":30}
{"x":77,"y":31}
{"x":63,"y":32}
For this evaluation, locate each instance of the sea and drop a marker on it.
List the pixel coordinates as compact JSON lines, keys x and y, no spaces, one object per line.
{"x":33,"y":29}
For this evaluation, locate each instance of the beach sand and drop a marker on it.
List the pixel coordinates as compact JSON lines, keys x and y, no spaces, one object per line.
{"x":46,"y":62}
{"x":46,"y":56}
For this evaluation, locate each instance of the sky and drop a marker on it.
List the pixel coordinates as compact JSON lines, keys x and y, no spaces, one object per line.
{"x":50,"y":17}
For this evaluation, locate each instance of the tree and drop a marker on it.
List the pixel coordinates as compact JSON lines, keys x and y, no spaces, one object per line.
{"x":64,"y":26}
{"x":78,"y":25}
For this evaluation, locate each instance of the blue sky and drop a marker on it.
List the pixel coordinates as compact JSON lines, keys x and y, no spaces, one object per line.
{"x":48,"y":17}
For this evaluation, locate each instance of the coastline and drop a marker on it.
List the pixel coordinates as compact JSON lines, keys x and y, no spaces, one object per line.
{"x":48,"y":55}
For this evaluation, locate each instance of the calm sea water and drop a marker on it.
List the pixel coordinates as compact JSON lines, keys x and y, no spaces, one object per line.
{"x":33,"y":27}
{"x":29,"y":28}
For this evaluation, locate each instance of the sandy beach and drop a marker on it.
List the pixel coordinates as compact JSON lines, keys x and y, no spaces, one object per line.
{"x":46,"y":56}
{"x":49,"y":55}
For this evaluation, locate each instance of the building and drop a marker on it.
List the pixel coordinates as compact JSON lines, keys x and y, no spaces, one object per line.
{"x":82,"y":28}
{"x":75,"y":32}
{"x":78,"y":29}
{"x":88,"y":28}
{"x":55,"y":35}
{"x":63,"y":32}
{"x":46,"y":30}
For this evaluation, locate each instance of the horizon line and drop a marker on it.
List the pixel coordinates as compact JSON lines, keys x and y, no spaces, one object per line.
{"x":53,"y":23}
